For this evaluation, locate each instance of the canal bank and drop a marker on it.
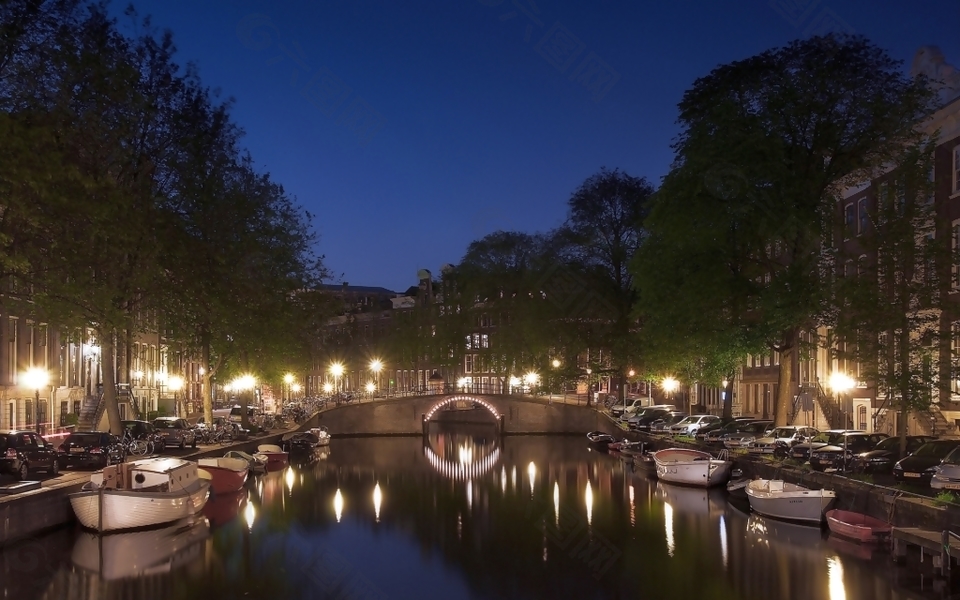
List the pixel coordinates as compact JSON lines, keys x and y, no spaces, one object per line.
{"x":31,"y":513}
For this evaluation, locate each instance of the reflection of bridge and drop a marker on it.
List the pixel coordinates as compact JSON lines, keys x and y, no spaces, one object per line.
{"x":412,"y":415}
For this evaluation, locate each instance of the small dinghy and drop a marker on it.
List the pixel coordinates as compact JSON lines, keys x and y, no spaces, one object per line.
{"x":256,"y":465}
{"x":738,"y":487}
{"x":600,"y":440}
{"x":858,"y":526}
{"x":273,"y":455}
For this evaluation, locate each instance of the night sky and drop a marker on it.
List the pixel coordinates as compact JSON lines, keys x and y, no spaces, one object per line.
{"x":410,"y":129}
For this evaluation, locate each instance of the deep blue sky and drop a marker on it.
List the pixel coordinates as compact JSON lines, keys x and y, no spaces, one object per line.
{"x":410,"y":129}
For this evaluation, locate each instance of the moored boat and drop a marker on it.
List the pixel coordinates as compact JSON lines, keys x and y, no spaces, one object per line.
{"x":227,"y":474}
{"x":691,"y":467}
{"x":857,"y":526}
{"x":600,"y":440}
{"x":323,"y":435}
{"x":254,"y":463}
{"x":738,"y":487}
{"x":142,"y":493}
{"x":779,"y":499}
{"x":273,"y":455}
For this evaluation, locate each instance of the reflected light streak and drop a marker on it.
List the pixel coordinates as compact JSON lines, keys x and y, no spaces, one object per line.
{"x":289,"y":479}
{"x":338,"y":504}
{"x":556,"y":502}
{"x":835,"y":577}
{"x":723,"y":541}
{"x":377,"y":499}
{"x":633,"y":513}
{"x":249,"y":515}
{"x":460,"y":469}
{"x":470,"y":494}
{"x":532,"y":472}
{"x":503,"y":479}
{"x":513,"y":478}
{"x":466,"y":454}
{"x":588,"y":496}
{"x":668,"y":526}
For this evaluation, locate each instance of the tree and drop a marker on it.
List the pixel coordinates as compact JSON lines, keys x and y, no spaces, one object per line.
{"x":794,"y":125}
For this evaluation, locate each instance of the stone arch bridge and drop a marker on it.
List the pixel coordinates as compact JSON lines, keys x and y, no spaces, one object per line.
{"x":412,"y":415}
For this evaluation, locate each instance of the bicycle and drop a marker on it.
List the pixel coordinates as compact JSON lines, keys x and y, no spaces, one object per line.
{"x":137,"y":447}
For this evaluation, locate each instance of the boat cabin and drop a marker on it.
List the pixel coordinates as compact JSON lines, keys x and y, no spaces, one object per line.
{"x":163,"y":474}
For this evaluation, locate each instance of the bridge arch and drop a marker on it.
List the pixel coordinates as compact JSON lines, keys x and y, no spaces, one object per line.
{"x":463,"y":397}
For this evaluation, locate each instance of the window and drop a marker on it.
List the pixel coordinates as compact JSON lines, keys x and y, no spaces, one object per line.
{"x":469,"y":344}
{"x":849,"y":217}
{"x":28,"y":412}
{"x":468,"y":363}
{"x":864,"y":217}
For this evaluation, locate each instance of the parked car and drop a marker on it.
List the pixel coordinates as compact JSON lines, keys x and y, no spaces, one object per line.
{"x":25,"y":451}
{"x":947,"y":475}
{"x":742,"y":436}
{"x":142,"y":430}
{"x":782,"y":439}
{"x":643,"y":419}
{"x":840,"y":454}
{"x":715,"y":436}
{"x":690,"y":425}
{"x":918,"y":468}
{"x":176,"y":432}
{"x":802,"y":451}
{"x":663,"y":424}
{"x":884,"y":455}
{"x":96,"y":449}
{"x":631,"y":407}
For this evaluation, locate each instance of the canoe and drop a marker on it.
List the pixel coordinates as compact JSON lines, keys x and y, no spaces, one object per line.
{"x":857,"y":526}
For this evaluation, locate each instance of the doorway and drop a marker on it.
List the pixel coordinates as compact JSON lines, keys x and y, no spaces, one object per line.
{"x":861,"y":414}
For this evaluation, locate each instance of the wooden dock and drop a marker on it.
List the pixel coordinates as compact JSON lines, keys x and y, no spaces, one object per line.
{"x":942,"y":546}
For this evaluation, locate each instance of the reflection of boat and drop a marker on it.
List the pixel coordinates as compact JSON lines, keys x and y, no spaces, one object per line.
{"x":844,"y":546}
{"x":227,"y":474}
{"x":784,"y":533}
{"x":141,"y":493}
{"x":222,"y":508}
{"x":301,"y":442}
{"x":691,"y":467}
{"x":255,"y":464}
{"x":857,"y":526}
{"x":133,"y":554}
{"x":776,"y":498}
{"x":600,"y":440}
{"x":646,"y":463}
{"x":691,"y":500}
{"x":273,"y":455}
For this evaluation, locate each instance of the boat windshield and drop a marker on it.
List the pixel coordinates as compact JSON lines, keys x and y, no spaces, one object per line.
{"x":953,"y":458}
{"x":935,"y":449}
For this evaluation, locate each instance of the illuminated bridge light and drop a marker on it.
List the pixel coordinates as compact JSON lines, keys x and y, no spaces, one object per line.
{"x":457,"y":470}
{"x":452,"y":399}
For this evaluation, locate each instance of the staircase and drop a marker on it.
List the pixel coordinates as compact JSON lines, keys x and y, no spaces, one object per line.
{"x":90,"y":412}
{"x":830,"y":409}
{"x":124,"y":395}
{"x":934,"y":423}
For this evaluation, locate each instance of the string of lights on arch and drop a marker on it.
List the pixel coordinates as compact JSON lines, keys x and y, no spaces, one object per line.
{"x":452,"y":399}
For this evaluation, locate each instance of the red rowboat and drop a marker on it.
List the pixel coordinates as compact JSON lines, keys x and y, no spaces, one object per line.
{"x":857,"y":526}
{"x":226,"y":474}
{"x":274,"y":456}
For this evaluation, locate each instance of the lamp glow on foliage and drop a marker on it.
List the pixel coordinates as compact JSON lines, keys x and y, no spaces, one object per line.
{"x":296,"y":388}
{"x":288,"y":378}
{"x":376,"y":365}
{"x":244,"y":382}
{"x":841,"y":382}
{"x":531,"y":378}
{"x":336,"y":369}
{"x":669,"y":384}
{"x":175,"y":383}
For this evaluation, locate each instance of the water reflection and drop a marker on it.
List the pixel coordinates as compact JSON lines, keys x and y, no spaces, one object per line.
{"x":532,"y":473}
{"x":470,"y":538}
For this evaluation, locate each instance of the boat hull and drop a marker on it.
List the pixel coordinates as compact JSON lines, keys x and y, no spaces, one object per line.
{"x":857,"y":526}
{"x":123,"y":509}
{"x":224,"y":480}
{"x":274,"y":460}
{"x":792,"y":504}
{"x":690,"y":467}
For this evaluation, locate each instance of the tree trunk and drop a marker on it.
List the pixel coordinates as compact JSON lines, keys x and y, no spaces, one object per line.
{"x":207,"y":377}
{"x":108,"y":354}
{"x":728,"y":398}
{"x":781,"y":411}
{"x":904,"y":360}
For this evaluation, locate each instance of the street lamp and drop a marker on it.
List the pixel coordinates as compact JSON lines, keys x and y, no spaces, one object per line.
{"x":295,"y":388}
{"x":327,"y":388}
{"x":556,"y":363}
{"x":244,"y":383}
{"x":669,"y":385}
{"x":175,"y":384}
{"x":531,"y":380}
{"x":376,"y":365}
{"x":336,"y":369}
{"x":288,"y":379}
{"x":371,"y":387}
{"x":840,"y":383}
{"x":36,"y":379}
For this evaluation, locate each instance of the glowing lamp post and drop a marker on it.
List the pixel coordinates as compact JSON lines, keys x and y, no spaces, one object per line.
{"x":288,"y":380}
{"x":371,"y":387}
{"x":336,"y":369}
{"x":376,"y":365}
{"x":36,"y":379}
{"x":295,"y":388}
{"x":328,"y":388}
{"x":244,"y":383}
{"x":531,"y":380}
{"x":175,"y":384}
{"x":841,"y":383}
{"x":669,"y":385}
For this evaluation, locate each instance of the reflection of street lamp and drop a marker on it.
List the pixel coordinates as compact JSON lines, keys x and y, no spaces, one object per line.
{"x":36,"y":379}
{"x":175,"y":383}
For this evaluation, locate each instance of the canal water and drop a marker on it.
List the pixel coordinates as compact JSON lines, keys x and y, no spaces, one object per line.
{"x":464,"y":516}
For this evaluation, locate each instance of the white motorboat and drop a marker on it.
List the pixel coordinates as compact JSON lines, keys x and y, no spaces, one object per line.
{"x":148,"y":552}
{"x":256,"y":465}
{"x":323,"y":435}
{"x":776,"y":498}
{"x":691,"y":467}
{"x":141,"y":493}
